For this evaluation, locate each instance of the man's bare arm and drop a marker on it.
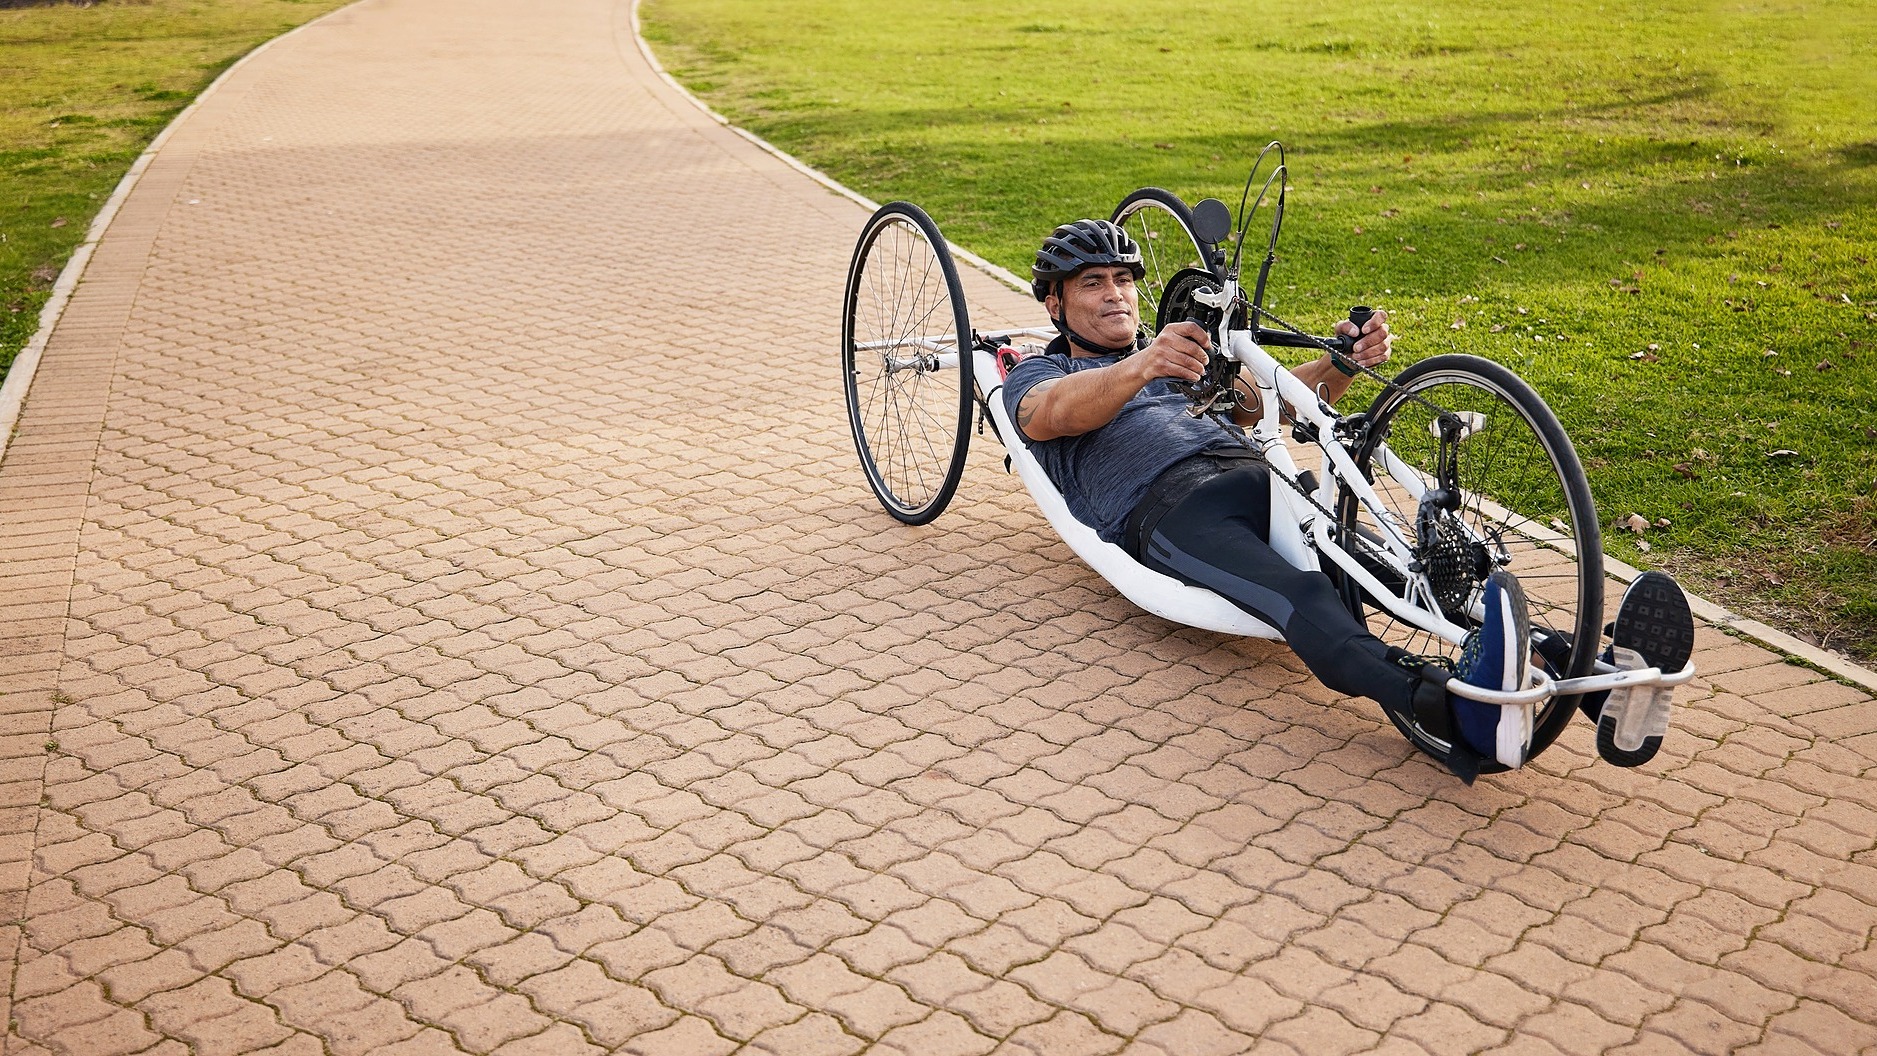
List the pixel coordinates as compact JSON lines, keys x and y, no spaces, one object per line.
{"x":1086,"y":400}
{"x":1077,"y":403}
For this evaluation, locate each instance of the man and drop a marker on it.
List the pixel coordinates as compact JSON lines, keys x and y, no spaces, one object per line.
{"x":1189,"y":499}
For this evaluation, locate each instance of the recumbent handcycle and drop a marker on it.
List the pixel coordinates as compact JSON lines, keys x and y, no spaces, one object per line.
{"x":1456,"y":469}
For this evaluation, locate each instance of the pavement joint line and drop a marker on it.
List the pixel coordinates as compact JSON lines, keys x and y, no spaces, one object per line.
{"x":1779,"y":641}
{"x":25,"y":366}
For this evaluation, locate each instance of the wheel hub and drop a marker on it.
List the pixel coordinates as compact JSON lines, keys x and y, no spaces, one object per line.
{"x":922,"y":362}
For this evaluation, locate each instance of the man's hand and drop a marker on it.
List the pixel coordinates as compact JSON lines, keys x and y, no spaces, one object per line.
{"x":1179,"y":352}
{"x":1375,"y":343}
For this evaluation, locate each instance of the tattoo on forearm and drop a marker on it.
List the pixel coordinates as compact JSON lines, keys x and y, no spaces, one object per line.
{"x":1026,"y":407}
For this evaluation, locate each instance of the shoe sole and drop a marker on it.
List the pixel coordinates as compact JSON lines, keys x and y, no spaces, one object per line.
{"x":1655,"y":621}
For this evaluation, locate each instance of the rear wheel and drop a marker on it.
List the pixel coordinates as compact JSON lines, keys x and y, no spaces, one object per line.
{"x":1517,"y":499}
{"x":1164,"y":227}
{"x":906,"y":363}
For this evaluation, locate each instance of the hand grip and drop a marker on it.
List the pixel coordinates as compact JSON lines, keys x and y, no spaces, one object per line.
{"x":1346,"y":345}
{"x":1207,"y":317}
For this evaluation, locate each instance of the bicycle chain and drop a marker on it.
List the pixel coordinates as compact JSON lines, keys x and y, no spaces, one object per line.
{"x":1233,"y":432}
{"x":1237,"y":434}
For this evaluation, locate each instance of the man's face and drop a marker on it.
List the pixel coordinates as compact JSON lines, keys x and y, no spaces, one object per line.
{"x":1101,"y":304}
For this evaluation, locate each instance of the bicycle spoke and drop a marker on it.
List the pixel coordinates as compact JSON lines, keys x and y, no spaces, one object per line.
{"x":915,"y":417}
{"x":1159,"y":222}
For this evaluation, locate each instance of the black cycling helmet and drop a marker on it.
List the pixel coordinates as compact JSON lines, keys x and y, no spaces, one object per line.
{"x":1083,"y":244}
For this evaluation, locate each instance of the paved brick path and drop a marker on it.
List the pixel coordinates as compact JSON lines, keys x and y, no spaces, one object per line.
{"x":434,"y":620}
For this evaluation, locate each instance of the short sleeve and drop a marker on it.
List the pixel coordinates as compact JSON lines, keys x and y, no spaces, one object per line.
{"x":1029,"y":372}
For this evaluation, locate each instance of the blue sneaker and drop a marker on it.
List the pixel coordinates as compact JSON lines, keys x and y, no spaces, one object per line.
{"x":1497,"y":656}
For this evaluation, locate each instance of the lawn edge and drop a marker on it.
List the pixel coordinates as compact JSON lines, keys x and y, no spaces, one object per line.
{"x":1720,"y":616}
{"x":19,"y":378}
{"x":1002,"y":274}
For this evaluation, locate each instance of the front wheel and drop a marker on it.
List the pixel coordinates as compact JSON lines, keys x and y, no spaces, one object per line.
{"x":1516,"y":498}
{"x":906,"y":363}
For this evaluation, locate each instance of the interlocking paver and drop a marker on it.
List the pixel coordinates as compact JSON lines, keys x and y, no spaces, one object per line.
{"x":432,"y":670}
{"x":940,"y":1034}
{"x":1322,"y":1030}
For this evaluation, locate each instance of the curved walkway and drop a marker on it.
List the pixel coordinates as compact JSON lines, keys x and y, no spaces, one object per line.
{"x":436,"y":620}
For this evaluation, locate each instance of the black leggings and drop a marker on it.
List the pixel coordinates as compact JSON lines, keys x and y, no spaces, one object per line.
{"x":1215,"y":534}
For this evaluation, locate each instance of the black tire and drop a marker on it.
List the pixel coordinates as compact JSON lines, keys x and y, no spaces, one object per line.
{"x":909,"y":411}
{"x":1523,"y":491}
{"x":1164,"y":227}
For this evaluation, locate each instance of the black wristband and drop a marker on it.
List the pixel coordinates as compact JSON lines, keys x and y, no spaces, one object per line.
{"x":1343,"y":363}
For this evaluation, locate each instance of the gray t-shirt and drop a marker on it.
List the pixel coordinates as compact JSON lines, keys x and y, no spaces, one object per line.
{"x":1104,"y":473}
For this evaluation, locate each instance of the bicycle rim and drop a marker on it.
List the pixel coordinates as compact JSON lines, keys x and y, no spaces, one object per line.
{"x":908,"y":386}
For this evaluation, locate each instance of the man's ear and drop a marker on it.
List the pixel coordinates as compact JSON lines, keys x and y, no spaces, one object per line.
{"x":1052,"y":302}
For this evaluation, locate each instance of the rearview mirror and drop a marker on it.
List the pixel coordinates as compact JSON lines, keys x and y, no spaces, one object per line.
{"x":1212,"y":221}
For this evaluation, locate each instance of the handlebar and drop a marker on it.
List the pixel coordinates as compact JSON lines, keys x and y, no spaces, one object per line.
{"x":1285,"y":339}
{"x":1342,"y":343}
{"x":1214,"y":391}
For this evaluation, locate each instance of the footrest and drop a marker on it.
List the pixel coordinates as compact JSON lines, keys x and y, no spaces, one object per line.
{"x":1634,"y":717}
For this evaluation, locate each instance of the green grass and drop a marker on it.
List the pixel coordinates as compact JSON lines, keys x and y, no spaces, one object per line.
{"x":1663,"y":193}
{"x":82,"y":91}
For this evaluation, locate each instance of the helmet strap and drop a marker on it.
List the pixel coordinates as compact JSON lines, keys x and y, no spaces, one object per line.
{"x":1101,"y":350}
